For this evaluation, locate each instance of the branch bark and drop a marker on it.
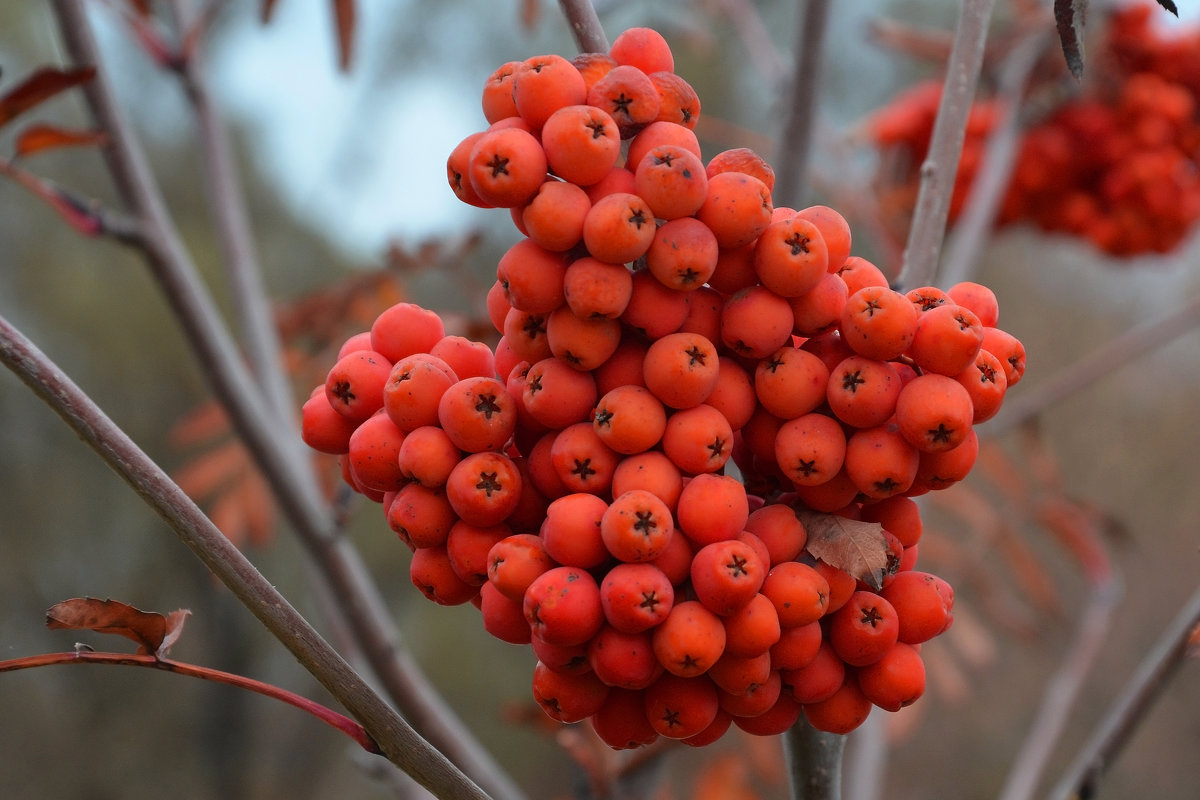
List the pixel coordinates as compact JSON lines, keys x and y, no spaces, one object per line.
{"x":795,"y":140}
{"x":1150,"y":679}
{"x":585,"y":25}
{"x":928,"y":227}
{"x":814,"y":760}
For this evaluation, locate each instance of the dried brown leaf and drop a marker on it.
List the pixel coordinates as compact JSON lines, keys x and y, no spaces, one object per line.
{"x":39,"y":87}
{"x":853,"y":546}
{"x":208,"y":472}
{"x":153,"y":632}
{"x":37,"y":138}
{"x":344,"y":18}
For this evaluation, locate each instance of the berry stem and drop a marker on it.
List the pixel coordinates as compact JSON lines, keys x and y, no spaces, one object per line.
{"x":814,"y":760}
{"x":585,"y":25}
{"x":795,"y":140}
{"x":398,"y":741}
{"x":928,"y":227}
{"x":1149,"y":680}
{"x":82,"y":656}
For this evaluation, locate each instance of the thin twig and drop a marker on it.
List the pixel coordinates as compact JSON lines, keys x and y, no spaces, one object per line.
{"x":585,"y":25}
{"x":227,"y":207}
{"x":1151,"y":679}
{"x":971,"y":231}
{"x":1063,"y":689}
{"x":396,"y":739}
{"x":928,"y":226}
{"x":814,"y":760}
{"x":795,"y":140}
{"x":1095,"y":366}
{"x":327,"y":715}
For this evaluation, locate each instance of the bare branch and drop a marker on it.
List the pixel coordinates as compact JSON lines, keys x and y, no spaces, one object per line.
{"x":1095,"y":366}
{"x":1114,"y":729}
{"x":814,"y":761}
{"x":228,"y":210}
{"x":972,"y":230}
{"x":585,"y":25}
{"x":795,"y":141}
{"x":937,"y":173}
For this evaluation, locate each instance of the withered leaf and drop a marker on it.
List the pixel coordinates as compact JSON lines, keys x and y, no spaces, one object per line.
{"x":39,"y":87}
{"x":1069,"y":17}
{"x":37,"y":138}
{"x":153,"y":632}
{"x":344,"y":17}
{"x":856,"y":547}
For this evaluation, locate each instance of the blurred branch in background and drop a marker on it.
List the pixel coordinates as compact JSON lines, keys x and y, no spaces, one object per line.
{"x":928,"y":228}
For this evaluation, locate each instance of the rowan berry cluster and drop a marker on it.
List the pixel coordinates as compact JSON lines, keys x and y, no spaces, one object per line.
{"x":664,"y":328}
{"x":1116,"y":164}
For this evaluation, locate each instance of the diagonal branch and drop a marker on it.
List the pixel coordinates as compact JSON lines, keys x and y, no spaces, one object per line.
{"x":397,"y":740}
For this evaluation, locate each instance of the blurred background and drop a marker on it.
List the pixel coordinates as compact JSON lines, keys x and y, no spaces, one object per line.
{"x":346,"y":189}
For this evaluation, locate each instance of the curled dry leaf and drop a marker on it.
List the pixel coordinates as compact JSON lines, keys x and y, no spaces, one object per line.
{"x":154,"y":633}
{"x":37,"y":138}
{"x":857,"y":547}
{"x":39,"y":87}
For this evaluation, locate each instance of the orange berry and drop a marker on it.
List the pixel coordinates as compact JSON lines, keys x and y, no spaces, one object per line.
{"x":629,"y":419}
{"x":934,"y":412}
{"x":660,"y":134}
{"x":629,"y":97}
{"x":506,"y":167}
{"x":834,"y":230}
{"x":878,"y":322}
{"x":790,"y":257}
{"x":737,"y":207}
{"x":683,"y":254}
{"x":644,"y":48}
{"x":755,"y":322}
{"x":582,"y":144}
{"x":810,"y":449}
{"x":681,"y":369}
{"x":544,"y":84}
{"x":619,"y":228}
{"x":678,"y":102}
{"x":584,"y":344}
{"x":594,"y":288}
{"x":946,"y":340}
{"x":698,"y":439}
{"x":498,"y":102}
{"x":532,"y":277}
{"x":672,"y":182}
{"x":790,"y":382}
{"x":553,"y":218}
{"x":744,"y":160}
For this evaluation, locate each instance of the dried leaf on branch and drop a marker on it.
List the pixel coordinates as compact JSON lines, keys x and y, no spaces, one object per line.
{"x":153,"y":632}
